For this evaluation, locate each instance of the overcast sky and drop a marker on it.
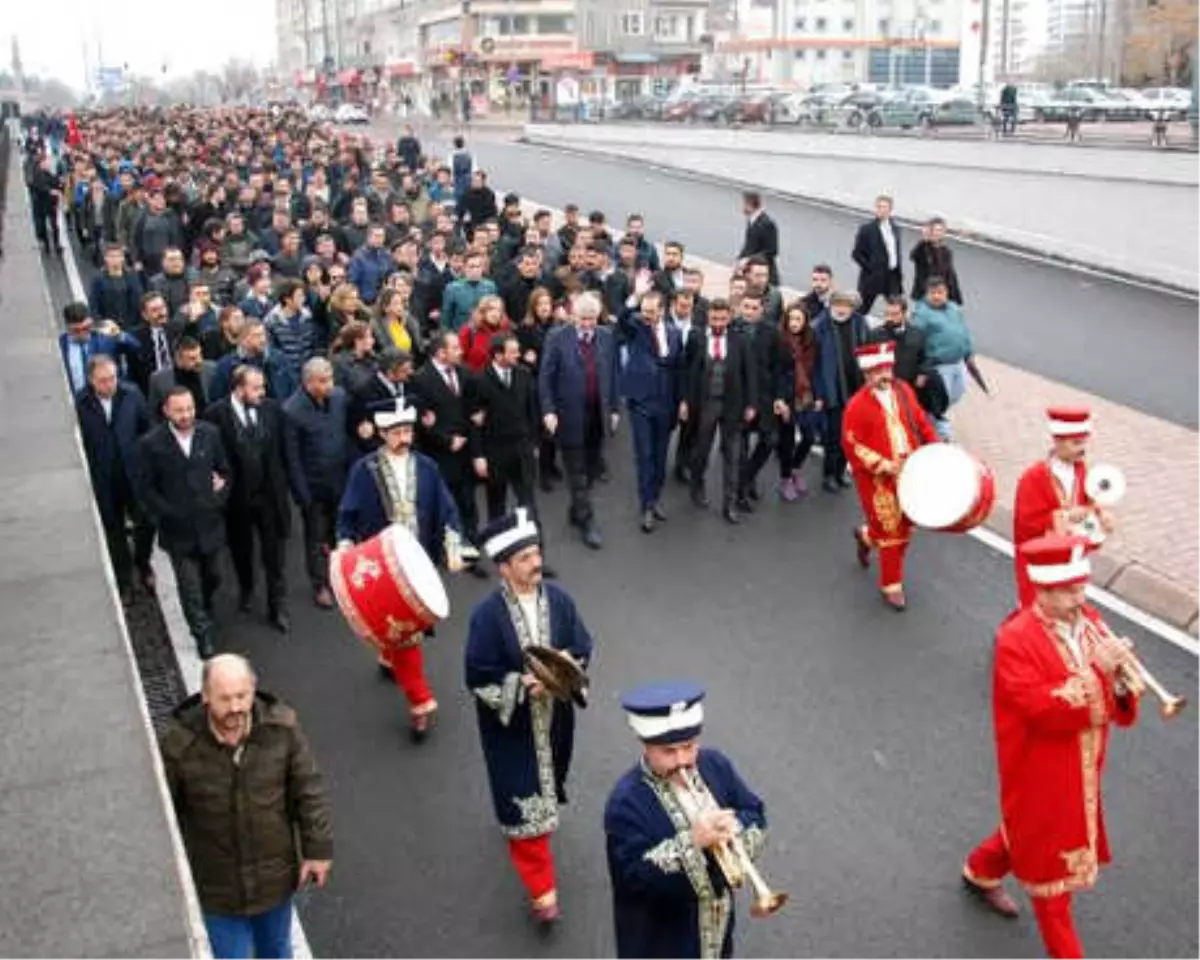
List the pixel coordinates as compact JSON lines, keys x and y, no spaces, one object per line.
{"x":204,"y":34}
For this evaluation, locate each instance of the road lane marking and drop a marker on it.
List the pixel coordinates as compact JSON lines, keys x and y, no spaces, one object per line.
{"x":190,"y":665}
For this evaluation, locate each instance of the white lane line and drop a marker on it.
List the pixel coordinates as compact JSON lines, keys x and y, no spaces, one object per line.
{"x":190,"y":665}
{"x":989,"y":538}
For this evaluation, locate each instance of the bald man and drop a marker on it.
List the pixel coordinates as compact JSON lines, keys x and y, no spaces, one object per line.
{"x":251,"y":808}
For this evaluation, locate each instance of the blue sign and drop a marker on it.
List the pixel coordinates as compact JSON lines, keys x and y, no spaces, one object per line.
{"x":110,"y":78}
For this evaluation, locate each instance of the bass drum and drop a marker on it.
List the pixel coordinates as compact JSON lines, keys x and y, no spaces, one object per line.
{"x":387,"y":587}
{"x":944,"y":487}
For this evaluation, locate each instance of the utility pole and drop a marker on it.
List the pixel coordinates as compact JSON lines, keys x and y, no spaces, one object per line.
{"x":1005,"y":17}
{"x":1101,"y":72}
{"x":984,"y":37}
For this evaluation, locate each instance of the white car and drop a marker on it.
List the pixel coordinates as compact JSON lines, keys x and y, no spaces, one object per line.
{"x":1175,"y":99}
{"x":350,"y":113}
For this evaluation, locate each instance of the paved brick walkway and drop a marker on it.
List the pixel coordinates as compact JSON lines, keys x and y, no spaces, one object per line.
{"x":1153,"y":560}
{"x":1068,"y":217}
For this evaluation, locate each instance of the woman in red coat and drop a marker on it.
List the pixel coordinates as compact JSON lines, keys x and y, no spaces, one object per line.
{"x":476,"y":336}
{"x":1059,"y":679}
{"x":883,"y":424}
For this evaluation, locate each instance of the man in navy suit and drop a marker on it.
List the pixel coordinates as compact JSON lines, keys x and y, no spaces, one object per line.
{"x":578,"y":389}
{"x":650,"y":384}
{"x":80,"y":342}
{"x":112,"y":418}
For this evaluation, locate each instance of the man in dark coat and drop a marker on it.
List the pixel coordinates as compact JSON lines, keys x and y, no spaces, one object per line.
{"x":112,"y":418}
{"x":762,"y":235}
{"x":188,"y":369}
{"x":184,"y":485}
{"x":319,"y":451}
{"x":877,"y":253}
{"x":720,"y":387}
{"x":251,"y":427}
{"x":389,"y":384}
{"x":912,"y":364}
{"x":932,"y":258}
{"x":767,"y":355}
{"x":836,"y":378}
{"x":577,"y":384}
{"x":115,"y":294}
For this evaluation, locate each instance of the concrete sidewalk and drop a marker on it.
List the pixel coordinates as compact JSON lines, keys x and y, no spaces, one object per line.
{"x":1153,"y":560}
{"x":1143,"y":231}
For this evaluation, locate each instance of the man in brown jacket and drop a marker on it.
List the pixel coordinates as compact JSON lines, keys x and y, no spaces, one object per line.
{"x":246,"y":788}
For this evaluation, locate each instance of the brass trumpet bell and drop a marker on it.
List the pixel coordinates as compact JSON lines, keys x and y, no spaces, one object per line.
{"x":767,"y":903}
{"x":559,"y":673}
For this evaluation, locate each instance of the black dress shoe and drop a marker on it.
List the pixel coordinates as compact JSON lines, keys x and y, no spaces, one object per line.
{"x":744,"y":505}
{"x":700,"y":499}
{"x":659,"y":515}
{"x":603,"y":476}
{"x":245,"y":602}
{"x":591,"y":537}
{"x":647,"y":521}
{"x":731,"y":515}
{"x":844,"y":481}
{"x":752,"y":493}
{"x":683,"y":475}
{"x":546,"y":484}
{"x":555,"y":472}
{"x":281,"y":621}
{"x":829,"y":485}
{"x":204,"y":646}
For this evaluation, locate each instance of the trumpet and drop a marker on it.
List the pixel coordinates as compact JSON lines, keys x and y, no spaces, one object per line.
{"x":731,"y":857}
{"x":1135,"y":675}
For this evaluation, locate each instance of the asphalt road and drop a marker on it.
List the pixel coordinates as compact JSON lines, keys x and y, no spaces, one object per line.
{"x":867,"y":733}
{"x":1129,"y":344}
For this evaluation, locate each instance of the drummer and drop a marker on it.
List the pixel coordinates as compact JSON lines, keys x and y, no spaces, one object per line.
{"x":882,"y":425}
{"x":1051,"y":495}
{"x":527,"y":736}
{"x":395,"y":484}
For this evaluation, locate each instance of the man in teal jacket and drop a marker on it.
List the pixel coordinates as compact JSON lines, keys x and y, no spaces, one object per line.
{"x":947,"y":344}
{"x":462,"y":295}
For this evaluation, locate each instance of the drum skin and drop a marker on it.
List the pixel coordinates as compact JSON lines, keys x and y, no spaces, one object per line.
{"x":946,"y":474}
{"x":376,"y":586}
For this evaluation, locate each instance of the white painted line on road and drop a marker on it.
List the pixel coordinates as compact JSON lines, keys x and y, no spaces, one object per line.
{"x":190,"y":665}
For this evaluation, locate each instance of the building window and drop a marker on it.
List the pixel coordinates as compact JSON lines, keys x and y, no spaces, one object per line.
{"x":935,"y":27}
{"x":556,"y":24}
{"x":884,"y":26}
{"x":666,"y":28}
{"x":820,"y":24}
{"x":820,"y":54}
{"x":847,"y":54}
{"x":848,"y":25}
{"x":801,"y":24}
{"x":800,"y":54}
{"x":631,"y":24}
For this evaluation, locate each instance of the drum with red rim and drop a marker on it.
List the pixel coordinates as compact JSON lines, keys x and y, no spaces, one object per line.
{"x":387,"y":587}
{"x":944,"y":487}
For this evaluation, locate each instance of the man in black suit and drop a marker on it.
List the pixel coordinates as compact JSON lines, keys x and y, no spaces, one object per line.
{"x":618,"y":285}
{"x":766,"y":346}
{"x":448,"y":433}
{"x":817,"y":298}
{"x":507,"y":395}
{"x":762,"y":235}
{"x":685,"y":317}
{"x":912,"y":364}
{"x":156,"y":338}
{"x":390,"y":383}
{"x":719,"y":392}
{"x":671,"y":277}
{"x":112,"y":418}
{"x":251,"y":429}
{"x":878,"y":255}
{"x":184,"y":485}
{"x":188,"y":369}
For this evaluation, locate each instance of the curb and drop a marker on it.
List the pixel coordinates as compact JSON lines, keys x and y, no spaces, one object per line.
{"x":975,"y":239}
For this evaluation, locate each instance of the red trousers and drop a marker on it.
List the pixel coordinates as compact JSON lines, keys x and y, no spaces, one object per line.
{"x":990,"y":862}
{"x":887,"y":529}
{"x":534,"y":864}
{"x":408,"y":667}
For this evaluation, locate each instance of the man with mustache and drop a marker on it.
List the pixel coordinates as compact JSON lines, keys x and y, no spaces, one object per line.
{"x":527,"y":736}
{"x":883,"y":424}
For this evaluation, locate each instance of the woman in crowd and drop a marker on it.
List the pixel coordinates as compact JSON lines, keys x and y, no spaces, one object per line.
{"x":353,"y":355}
{"x":476,"y":336}
{"x":799,"y":354}
{"x":396,"y":325}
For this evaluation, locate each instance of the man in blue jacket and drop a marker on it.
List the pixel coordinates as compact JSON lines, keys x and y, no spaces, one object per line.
{"x":577,"y":384}
{"x":948,"y":344}
{"x":650,"y":384}
{"x":112,"y":418}
{"x":370,"y":265}
{"x":80,"y":342}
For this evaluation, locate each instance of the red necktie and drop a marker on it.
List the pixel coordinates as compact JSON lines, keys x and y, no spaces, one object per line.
{"x":719,"y":347}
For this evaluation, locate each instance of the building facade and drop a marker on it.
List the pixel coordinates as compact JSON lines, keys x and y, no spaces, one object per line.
{"x":805,"y":42}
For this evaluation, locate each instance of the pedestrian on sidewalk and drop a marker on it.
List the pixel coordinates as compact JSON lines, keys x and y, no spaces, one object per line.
{"x":251,"y":807}
{"x":948,"y":345}
{"x":762,"y":236}
{"x":877,"y":253}
{"x":932,"y":258}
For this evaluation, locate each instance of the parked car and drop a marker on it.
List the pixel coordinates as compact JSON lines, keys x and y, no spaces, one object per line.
{"x":351,"y":113}
{"x":954,"y":112}
{"x":681,"y":110}
{"x":797,"y":108}
{"x":1174,"y":99}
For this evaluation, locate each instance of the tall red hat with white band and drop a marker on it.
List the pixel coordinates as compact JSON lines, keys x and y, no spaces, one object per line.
{"x":1057,"y":560}
{"x":871,"y":356}
{"x":1069,"y":422}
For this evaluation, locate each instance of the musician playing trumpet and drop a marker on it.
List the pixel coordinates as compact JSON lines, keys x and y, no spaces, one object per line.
{"x":883,"y":424}
{"x":527,"y":735}
{"x":1051,"y":494}
{"x":1060,"y":677}
{"x":674,"y":824}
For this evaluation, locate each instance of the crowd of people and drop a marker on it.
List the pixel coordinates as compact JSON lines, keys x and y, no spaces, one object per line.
{"x":282,"y":313}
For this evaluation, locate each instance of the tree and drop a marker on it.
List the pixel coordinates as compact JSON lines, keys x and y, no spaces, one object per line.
{"x":238,"y":80}
{"x":1161,"y":43}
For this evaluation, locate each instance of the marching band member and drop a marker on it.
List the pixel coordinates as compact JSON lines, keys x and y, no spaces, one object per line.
{"x":527,"y":735}
{"x":396,"y":484}
{"x":1050,"y":494}
{"x":882,"y":425}
{"x":1059,"y":679}
{"x":669,"y":897}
